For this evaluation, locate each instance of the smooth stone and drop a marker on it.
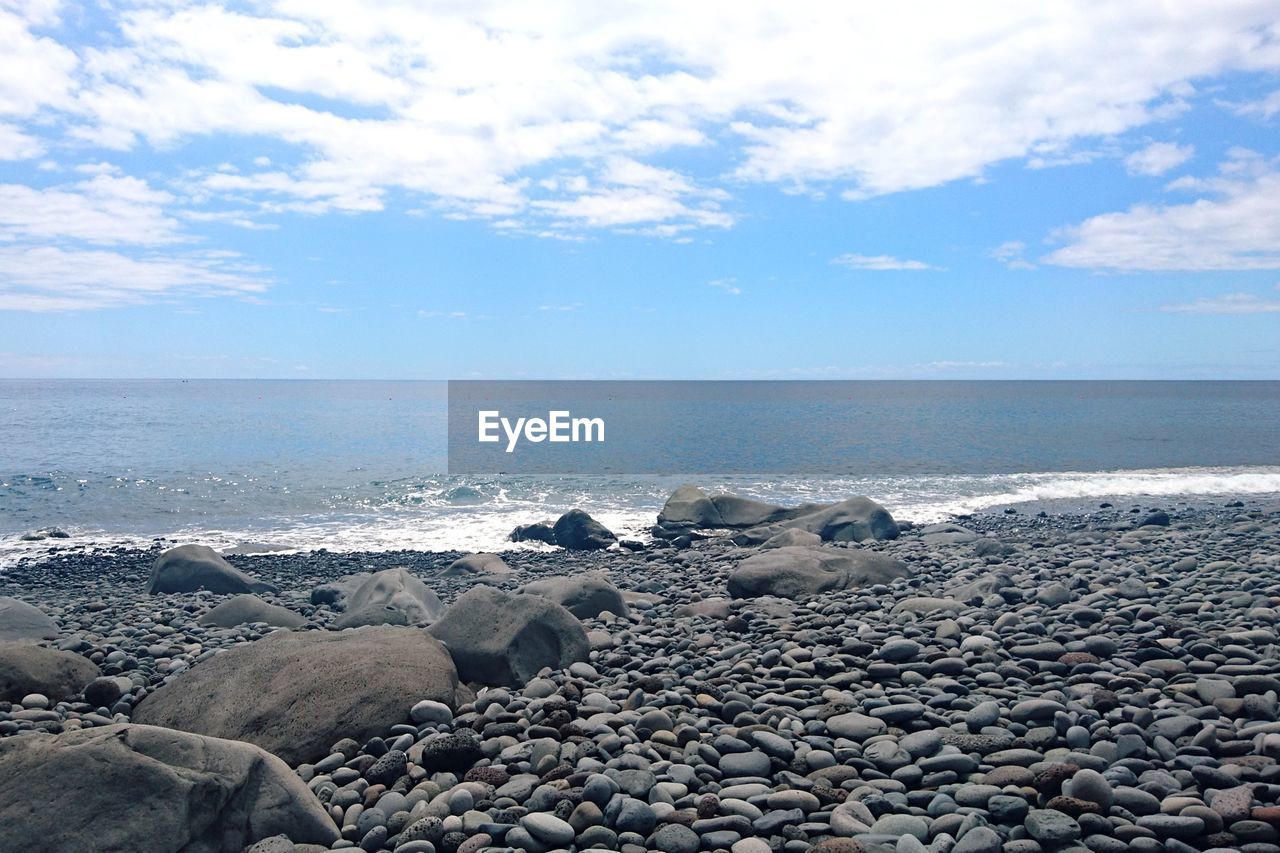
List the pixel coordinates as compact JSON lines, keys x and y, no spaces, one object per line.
{"x":548,"y":828}
{"x":1051,"y":827}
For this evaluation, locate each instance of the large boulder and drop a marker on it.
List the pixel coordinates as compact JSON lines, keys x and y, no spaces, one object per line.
{"x":689,"y":506}
{"x":789,"y":538}
{"x":129,"y":787}
{"x":851,"y":520}
{"x":747,"y":512}
{"x":539,"y":531}
{"x":390,"y":597}
{"x":577,"y":531}
{"x":476,"y":565}
{"x":501,"y":639}
{"x":28,"y":668}
{"x":188,"y":568}
{"x":335,"y":593}
{"x":799,"y":571}
{"x":21,"y":622}
{"x":248,"y":608}
{"x":584,"y":596}
{"x":296,"y":693}
{"x":946,"y":533}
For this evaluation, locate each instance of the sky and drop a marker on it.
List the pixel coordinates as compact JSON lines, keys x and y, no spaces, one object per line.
{"x":493,"y":189}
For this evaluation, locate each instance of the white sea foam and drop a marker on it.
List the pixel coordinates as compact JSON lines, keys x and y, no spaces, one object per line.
{"x":475,"y":519}
{"x":978,"y":493}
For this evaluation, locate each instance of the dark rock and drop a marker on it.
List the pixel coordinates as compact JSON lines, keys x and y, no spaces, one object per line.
{"x":538,"y":532}
{"x":102,"y":692}
{"x":295,"y":694}
{"x":27,"y":668}
{"x":20,"y":621}
{"x":502,"y":639}
{"x":577,"y":531}
{"x":689,"y":506}
{"x":188,"y":568}
{"x":476,"y":565}
{"x":798,"y":572}
{"x":335,"y":593}
{"x":246,"y":608}
{"x":390,"y":597}
{"x":585,"y":596}
{"x":449,"y":752}
{"x":81,"y":790}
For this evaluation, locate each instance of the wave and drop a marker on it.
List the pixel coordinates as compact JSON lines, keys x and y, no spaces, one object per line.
{"x":449,"y":514}
{"x":973,"y":494}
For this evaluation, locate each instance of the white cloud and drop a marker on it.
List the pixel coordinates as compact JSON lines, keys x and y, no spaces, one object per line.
{"x":1010,"y":253}
{"x":1263,"y":108}
{"x":728,"y":285}
{"x":879,"y":262}
{"x":17,"y":145}
{"x":106,"y":209}
{"x":46,"y":278}
{"x":35,"y":71}
{"x":631,"y":206}
{"x":469,"y":105}
{"x":1158,"y":158}
{"x":450,"y":315}
{"x":1236,"y":226}
{"x":1230,"y":303}
{"x":571,"y":307}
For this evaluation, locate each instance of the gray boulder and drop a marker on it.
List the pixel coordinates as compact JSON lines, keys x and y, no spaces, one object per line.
{"x":21,"y":622}
{"x":390,"y":597}
{"x":946,"y":533}
{"x":798,"y":571}
{"x":246,"y":608}
{"x":689,"y":506}
{"x":851,"y":520}
{"x":28,"y":668}
{"x":540,"y":531}
{"x":334,"y":593}
{"x":584,"y":596}
{"x":476,"y":565}
{"x":188,"y":568}
{"x":123,"y":788}
{"x":296,"y":693}
{"x":788,"y":538}
{"x":501,"y":639}
{"x":577,"y":531}
{"x":748,"y":512}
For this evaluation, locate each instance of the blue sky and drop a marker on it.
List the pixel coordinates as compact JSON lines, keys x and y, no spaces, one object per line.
{"x":732,"y":190}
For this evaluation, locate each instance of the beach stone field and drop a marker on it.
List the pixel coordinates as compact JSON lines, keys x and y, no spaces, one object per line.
{"x":754,"y":679}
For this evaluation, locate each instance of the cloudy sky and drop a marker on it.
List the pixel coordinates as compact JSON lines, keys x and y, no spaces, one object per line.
{"x":360,"y":188}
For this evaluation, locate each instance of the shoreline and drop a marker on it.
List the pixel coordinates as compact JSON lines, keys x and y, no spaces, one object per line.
{"x":13,"y":550}
{"x":1038,"y":683}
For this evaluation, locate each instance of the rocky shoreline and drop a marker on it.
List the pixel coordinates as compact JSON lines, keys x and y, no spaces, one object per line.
{"x":809,"y":680}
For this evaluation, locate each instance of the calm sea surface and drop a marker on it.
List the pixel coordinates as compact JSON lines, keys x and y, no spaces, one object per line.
{"x":351,"y":464}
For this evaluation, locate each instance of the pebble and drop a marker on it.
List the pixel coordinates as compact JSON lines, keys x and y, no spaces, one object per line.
{"x":548,"y":829}
{"x":1054,"y":684}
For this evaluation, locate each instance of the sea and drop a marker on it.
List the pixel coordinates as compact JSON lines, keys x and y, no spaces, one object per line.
{"x":361,"y":465}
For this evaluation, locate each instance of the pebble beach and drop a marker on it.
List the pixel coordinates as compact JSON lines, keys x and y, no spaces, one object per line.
{"x":1104,"y":680}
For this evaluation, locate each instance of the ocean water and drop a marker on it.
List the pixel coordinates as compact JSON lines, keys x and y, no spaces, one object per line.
{"x":359,"y":465}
